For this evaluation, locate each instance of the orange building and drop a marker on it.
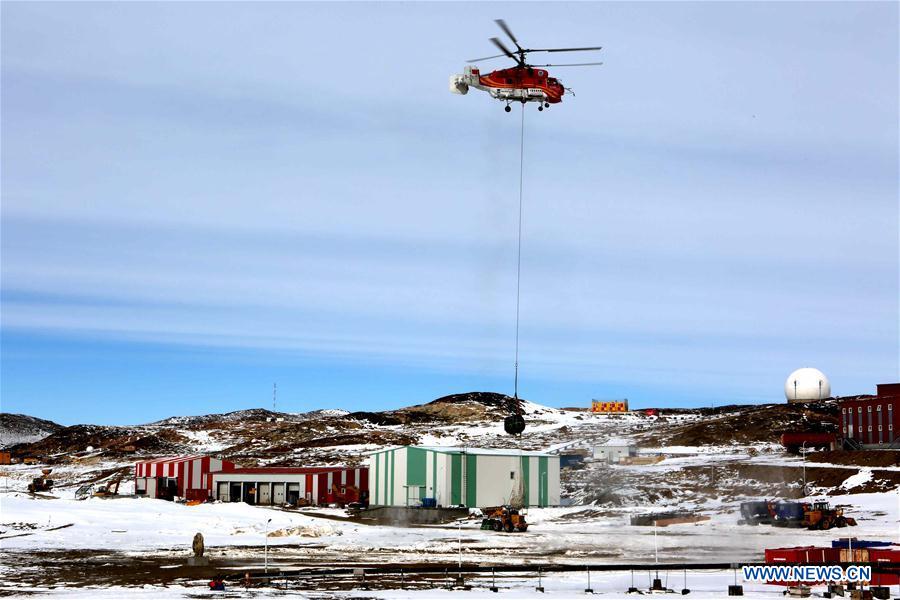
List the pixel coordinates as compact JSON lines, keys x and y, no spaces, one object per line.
{"x":609,"y":406}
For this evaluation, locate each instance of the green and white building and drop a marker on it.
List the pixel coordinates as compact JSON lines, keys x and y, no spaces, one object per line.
{"x":474,"y":477}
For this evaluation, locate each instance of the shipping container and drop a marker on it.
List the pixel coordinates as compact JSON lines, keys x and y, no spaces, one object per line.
{"x":788,"y":513}
{"x":794,"y":441}
{"x":854,"y":555}
{"x":812,"y":555}
{"x":803,"y":555}
{"x":880,"y":557}
{"x":855,"y":543}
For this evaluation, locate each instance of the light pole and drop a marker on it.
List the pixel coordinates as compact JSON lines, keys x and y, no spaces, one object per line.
{"x":803,"y":452}
{"x":266,"y":559}
{"x":460,"y":545}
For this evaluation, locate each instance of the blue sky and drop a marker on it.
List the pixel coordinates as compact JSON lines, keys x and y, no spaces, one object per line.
{"x":200,"y":199}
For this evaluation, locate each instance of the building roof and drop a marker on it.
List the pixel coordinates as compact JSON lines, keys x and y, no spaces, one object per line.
{"x":171,"y":459}
{"x":286,"y":470}
{"x":618,"y":442}
{"x":478,"y":451}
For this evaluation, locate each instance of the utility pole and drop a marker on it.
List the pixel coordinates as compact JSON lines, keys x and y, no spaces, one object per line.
{"x":274,"y":395}
{"x":266,"y":563}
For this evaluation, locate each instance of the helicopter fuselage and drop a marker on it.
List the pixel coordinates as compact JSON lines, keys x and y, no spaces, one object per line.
{"x":515,"y":84}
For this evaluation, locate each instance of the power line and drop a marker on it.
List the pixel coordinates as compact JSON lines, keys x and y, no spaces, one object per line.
{"x":519,"y":253}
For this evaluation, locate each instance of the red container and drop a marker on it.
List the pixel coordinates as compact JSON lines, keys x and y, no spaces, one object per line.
{"x":795,"y":440}
{"x":812,"y":555}
{"x":882,"y":557}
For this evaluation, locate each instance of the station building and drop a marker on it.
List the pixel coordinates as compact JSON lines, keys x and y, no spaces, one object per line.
{"x":274,"y":486}
{"x":872,"y":422}
{"x":177,"y":476}
{"x":472,"y":477}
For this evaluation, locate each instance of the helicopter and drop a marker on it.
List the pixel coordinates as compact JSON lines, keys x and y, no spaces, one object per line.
{"x":521,"y":83}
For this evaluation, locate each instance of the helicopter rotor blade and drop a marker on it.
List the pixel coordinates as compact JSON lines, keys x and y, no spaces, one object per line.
{"x":502,"y":25}
{"x":486,"y":58}
{"x":564,"y":49}
{"x":503,"y":48}
{"x":571,"y":65}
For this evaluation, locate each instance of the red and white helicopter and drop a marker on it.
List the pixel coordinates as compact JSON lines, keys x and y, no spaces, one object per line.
{"x":521,"y":83}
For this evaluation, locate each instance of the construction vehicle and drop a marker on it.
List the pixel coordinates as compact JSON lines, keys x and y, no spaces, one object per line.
{"x":820,"y":515}
{"x":758,"y":512}
{"x":111,"y":488}
{"x":503,"y":518}
{"x":347,"y":494}
{"x":815,"y":515}
{"x":41,"y":484}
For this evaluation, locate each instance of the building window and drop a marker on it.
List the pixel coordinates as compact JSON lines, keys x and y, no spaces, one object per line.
{"x":859,"y":429}
{"x":512,"y":474}
{"x":890,"y":407}
{"x":343,"y":490}
{"x":879,"y":427}
{"x":844,"y":410}
{"x":879,"y":408}
{"x":870,"y":428}
{"x":890,"y":426}
{"x":844,"y":429}
{"x":859,"y":409}
{"x":870,"y":409}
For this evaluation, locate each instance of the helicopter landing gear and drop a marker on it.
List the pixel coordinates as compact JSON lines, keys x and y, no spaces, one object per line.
{"x":540,"y":107}
{"x":546,"y":105}
{"x":507,"y":108}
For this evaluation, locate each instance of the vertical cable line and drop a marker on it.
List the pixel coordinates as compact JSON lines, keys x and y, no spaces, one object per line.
{"x":519,"y":253}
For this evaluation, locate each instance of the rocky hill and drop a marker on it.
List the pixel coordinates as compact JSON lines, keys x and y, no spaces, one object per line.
{"x":260,"y":436}
{"x":711,"y":454}
{"x":23,"y":429}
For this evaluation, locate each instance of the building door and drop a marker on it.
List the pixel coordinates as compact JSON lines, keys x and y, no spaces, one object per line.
{"x":234,"y":492}
{"x":151,"y":487}
{"x":222,"y":491}
{"x":249,"y":495}
{"x":278,"y":493}
{"x":265,"y":493}
{"x":293,"y":493}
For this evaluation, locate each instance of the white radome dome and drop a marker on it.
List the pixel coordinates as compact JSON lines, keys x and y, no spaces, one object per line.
{"x":807,"y":384}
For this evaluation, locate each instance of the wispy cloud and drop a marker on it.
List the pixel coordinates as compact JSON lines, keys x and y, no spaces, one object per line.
{"x":708,"y":211}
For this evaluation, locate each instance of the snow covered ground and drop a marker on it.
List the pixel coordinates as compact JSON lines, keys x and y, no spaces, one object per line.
{"x":704,"y":585}
{"x":573,"y":535}
{"x":55,"y":545}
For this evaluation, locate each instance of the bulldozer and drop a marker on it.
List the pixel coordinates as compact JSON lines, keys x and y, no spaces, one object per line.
{"x":503,"y":518}
{"x":820,"y":515}
{"x":41,"y":484}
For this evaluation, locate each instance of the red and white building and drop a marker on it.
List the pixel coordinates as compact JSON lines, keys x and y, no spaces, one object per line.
{"x":183,"y":476}
{"x":872,"y":422}
{"x":292,"y":485}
